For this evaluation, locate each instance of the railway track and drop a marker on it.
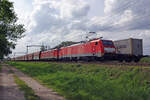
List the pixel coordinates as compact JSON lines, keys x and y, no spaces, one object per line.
{"x":122,"y":64}
{"x":115,"y":63}
{"x":100,"y":63}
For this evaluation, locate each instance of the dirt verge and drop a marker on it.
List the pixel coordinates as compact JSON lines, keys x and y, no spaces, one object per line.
{"x":43,"y":92}
{"x":8,"y":88}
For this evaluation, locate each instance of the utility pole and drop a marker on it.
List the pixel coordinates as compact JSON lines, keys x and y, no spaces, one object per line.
{"x":27,"y":49}
{"x":41,"y":46}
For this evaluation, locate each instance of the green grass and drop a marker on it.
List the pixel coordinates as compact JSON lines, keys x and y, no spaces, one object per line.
{"x":145,"y":59}
{"x":91,"y":82}
{"x":28,"y":92}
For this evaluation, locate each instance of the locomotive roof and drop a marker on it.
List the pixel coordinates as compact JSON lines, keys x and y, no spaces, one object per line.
{"x":82,"y":42}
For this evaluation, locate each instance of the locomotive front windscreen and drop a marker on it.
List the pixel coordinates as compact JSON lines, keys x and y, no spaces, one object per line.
{"x":107,"y":43}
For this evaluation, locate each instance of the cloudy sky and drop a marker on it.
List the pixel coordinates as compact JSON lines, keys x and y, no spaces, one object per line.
{"x":50,"y":22}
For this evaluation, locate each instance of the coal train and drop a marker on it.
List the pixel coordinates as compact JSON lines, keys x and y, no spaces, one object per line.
{"x":96,"y":49}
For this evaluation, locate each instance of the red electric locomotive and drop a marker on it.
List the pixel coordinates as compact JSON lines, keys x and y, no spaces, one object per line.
{"x":49,"y":55}
{"x":90,"y":50}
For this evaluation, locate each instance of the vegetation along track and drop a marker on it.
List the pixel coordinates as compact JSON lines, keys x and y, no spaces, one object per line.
{"x":123,"y":63}
{"x":145,"y":64}
{"x":79,"y":81}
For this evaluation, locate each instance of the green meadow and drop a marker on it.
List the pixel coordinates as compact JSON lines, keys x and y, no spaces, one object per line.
{"x":91,"y":81}
{"x":145,"y":60}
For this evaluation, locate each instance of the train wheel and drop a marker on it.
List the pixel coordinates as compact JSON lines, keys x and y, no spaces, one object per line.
{"x":136,"y":59}
{"x":128,"y":60}
{"x":120,"y":60}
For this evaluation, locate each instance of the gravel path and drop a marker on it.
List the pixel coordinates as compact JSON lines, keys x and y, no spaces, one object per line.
{"x":43,"y":92}
{"x":8,"y":88}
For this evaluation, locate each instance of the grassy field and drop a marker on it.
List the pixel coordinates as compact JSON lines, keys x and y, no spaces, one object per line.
{"x":91,"y":82}
{"x":145,"y":60}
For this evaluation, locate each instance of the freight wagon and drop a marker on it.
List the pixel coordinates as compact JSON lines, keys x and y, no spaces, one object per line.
{"x":129,"y":49}
{"x":36,"y":56}
{"x":19,"y":58}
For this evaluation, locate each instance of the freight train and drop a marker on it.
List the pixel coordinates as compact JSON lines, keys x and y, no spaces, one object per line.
{"x":95,"y":49}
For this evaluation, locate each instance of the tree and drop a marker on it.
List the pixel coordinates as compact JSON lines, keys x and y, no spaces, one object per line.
{"x":10,"y":30}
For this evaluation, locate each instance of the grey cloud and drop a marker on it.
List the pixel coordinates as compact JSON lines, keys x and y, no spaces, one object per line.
{"x":47,"y":18}
{"x":140,"y":11}
{"x":117,"y":19}
{"x":81,"y":12}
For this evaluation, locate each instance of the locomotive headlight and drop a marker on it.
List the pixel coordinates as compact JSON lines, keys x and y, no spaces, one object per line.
{"x":109,"y":50}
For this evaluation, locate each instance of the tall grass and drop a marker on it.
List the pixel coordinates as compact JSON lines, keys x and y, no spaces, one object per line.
{"x":145,"y":59}
{"x":91,"y":82}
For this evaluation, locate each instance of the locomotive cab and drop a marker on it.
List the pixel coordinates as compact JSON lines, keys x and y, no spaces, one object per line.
{"x":108,"y":49}
{"x":103,"y":49}
{"x":108,"y":46}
